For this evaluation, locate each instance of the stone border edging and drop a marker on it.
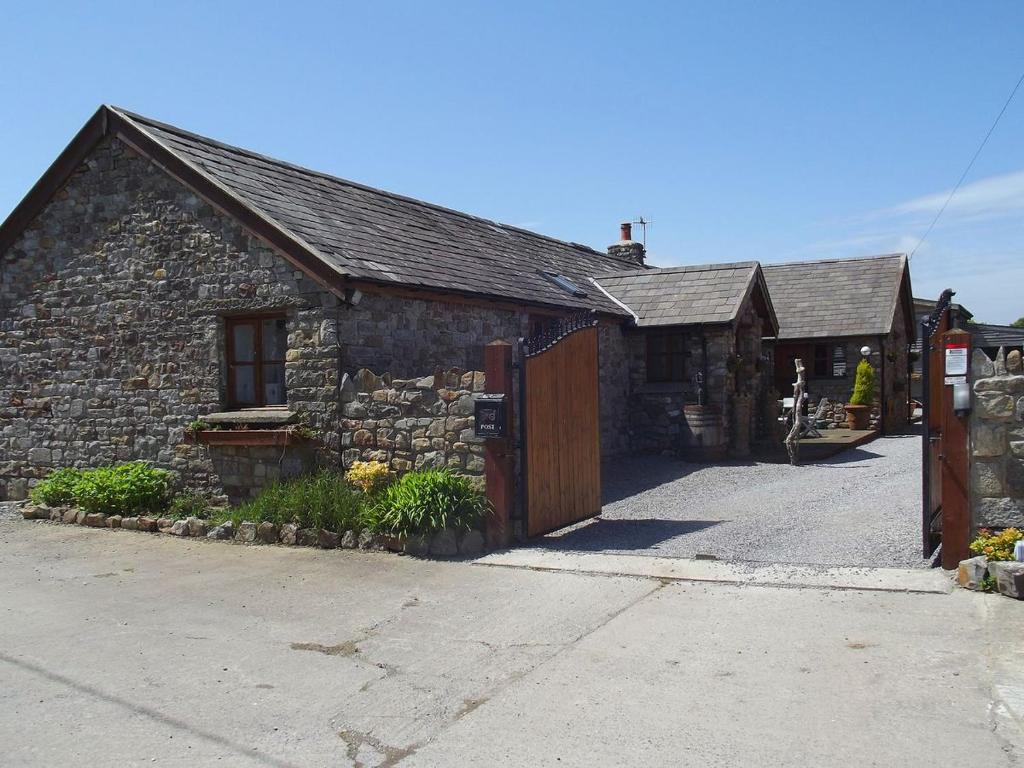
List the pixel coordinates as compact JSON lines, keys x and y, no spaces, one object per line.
{"x":446,"y":543}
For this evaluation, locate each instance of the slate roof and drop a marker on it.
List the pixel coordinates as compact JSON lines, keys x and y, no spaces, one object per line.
{"x":840,"y":297}
{"x":369,"y":234}
{"x":987,"y":335}
{"x":692,"y":295}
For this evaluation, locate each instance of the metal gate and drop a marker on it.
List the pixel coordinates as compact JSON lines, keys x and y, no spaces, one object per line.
{"x":932,"y":329}
{"x":560,"y":425}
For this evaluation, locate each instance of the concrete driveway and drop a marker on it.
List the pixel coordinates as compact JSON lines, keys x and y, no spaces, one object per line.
{"x":121,"y":648}
{"x":861,"y":507}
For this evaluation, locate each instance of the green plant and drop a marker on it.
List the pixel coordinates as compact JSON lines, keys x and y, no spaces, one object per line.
{"x":987,"y":583}
{"x":189,"y":504}
{"x":864,"y":384}
{"x":196,"y":426}
{"x":369,"y":476}
{"x":323,"y":500}
{"x":996,"y":546}
{"x":134,"y":488}
{"x":57,"y":488}
{"x":123,"y":489}
{"x":426,"y":502}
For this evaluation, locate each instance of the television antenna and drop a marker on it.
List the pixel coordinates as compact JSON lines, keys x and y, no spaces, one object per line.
{"x":642,"y":223}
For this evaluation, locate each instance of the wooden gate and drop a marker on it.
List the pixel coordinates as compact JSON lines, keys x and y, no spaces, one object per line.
{"x":932,"y":329}
{"x":561,"y":458}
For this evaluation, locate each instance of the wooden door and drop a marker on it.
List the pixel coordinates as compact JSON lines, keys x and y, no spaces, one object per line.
{"x":561,"y":424}
{"x":932,"y":367}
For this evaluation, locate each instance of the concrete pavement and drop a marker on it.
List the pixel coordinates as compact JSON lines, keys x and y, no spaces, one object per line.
{"x":119,"y":648}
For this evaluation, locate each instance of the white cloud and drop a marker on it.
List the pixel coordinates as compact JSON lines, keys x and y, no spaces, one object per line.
{"x":992,"y":197}
{"x":977,"y":247}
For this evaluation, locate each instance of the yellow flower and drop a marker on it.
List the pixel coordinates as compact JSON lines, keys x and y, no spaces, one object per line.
{"x":368,"y":476}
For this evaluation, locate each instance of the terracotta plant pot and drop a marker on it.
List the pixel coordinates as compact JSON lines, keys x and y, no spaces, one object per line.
{"x":858,"y":416}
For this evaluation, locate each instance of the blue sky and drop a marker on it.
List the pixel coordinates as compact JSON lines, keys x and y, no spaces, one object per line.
{"x":768,"y":131}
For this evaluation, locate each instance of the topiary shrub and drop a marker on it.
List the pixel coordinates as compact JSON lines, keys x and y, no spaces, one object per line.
{"x":425,"y":502}
{"x":57,"y":488}
{"x":864,"y":384}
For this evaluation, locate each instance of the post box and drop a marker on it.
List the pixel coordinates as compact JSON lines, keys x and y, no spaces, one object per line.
{"x":490,"y":415}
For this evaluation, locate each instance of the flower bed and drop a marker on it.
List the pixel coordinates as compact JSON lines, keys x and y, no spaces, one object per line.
{"x":994,"y":567}
{"x":432,"y":512}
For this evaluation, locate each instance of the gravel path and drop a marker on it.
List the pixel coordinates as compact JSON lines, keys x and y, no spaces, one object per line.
{"x":861,"y":507}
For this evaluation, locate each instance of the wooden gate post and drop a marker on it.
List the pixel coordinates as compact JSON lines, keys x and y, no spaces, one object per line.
{"x":499,"y":458}
{"x":955,"y":458}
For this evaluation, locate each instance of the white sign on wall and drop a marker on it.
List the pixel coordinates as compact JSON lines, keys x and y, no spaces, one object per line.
{"x":956,"y":361}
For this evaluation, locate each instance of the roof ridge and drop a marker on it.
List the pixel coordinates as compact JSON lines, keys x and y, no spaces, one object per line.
{"x":876,"y":257}
{"x":682,"y":268}
{"x":148,"y":121}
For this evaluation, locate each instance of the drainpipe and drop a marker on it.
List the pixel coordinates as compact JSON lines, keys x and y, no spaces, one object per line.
{"x":702,"y":395}
{"x":884,"y":400}
{"x":337,"y":385}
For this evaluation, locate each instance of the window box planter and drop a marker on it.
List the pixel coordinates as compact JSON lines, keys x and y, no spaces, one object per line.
{"x":256,"y":437}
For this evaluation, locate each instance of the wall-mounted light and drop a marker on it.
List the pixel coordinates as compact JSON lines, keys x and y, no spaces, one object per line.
{"x":865,"y":350}
{"x":961,"y":398}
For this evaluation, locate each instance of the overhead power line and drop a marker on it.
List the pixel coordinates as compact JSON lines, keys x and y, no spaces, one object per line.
{"x":969,"y":166}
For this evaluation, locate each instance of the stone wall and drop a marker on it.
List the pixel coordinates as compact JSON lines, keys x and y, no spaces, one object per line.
{"x":997,"y":440}
{"x":613,"y":363}
{"x":416,"y":423}
{"x":244,"y":470}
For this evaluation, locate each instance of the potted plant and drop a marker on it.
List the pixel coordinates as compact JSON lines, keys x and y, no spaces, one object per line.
{"x":858,"y":410}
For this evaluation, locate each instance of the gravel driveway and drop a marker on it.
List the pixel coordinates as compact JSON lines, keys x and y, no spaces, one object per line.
{"x":861,"y":507}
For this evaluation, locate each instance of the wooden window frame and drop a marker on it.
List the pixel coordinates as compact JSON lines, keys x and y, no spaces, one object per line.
{"x":830,"y":361}
{"x":669,"y":357}
{"x":256,"y":321}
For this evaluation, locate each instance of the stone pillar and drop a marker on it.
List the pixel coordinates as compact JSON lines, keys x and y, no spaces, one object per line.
{"x":499,"y":459}
{"x":997,"y":441}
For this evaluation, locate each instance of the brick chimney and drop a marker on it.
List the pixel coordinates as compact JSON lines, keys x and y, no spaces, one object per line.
{"x":627,"y":248}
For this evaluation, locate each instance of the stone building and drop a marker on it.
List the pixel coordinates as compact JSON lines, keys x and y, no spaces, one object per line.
{"x":153,"y":278}
{"x":237,"y":319}
{"x":828,"y":311}
{"x":695,"y":352}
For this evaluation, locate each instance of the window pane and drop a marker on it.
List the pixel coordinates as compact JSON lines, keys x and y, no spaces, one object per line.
{"x":273,"y":384}
{"x":839,"y":362}
{"x":245,"y":384}
{"x":275,"y":339}
{"x":678,"y":372}
{"x":243,"y":341}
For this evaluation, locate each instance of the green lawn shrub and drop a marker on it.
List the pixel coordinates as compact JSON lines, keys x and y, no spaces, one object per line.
{"x":57,"y":488}
{"x":424,"y":502}
{"x":123,"y":489}
{"x":189,"y":504}
{"x":324,"y":500}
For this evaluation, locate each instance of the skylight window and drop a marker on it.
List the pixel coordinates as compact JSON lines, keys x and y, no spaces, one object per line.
{"x":564,"y":283}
